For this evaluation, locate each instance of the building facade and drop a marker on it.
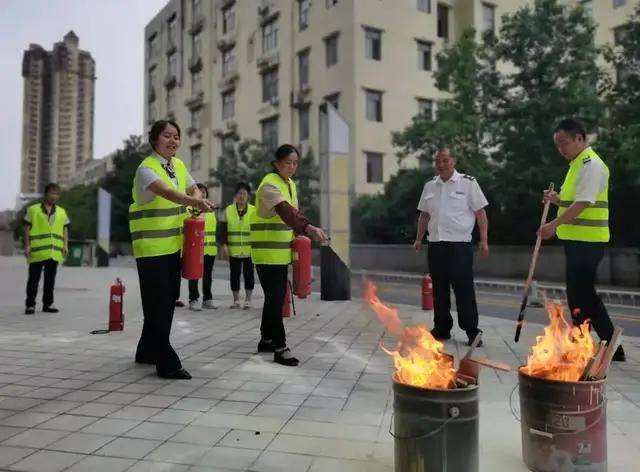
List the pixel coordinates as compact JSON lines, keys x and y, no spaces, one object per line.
{"x":58,"y":111}
{"x":262,"y":68}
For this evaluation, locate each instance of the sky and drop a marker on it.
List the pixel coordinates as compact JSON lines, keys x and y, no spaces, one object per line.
{"x":112,"y":31}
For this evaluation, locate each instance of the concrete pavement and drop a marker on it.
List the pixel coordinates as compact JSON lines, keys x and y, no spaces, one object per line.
{"x":73,"y":401}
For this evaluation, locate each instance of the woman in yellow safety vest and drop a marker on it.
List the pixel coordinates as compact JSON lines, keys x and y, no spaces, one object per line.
{"x":273,"y":226}
{"x":236,"y":244}
{"x":162,"y":188}
{"x":210,"y":252}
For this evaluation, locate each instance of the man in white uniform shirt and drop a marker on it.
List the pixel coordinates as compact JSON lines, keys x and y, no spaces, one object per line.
{"x":450,"y":205}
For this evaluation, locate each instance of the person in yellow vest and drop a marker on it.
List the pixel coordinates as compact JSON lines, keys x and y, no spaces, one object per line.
{"x":582,"y":224}
{"x":273,"y":226}
{"x":210,"y":252}
{"x":236,"y":245}
{"x":162,"y":188}
{"x":46,"y":243}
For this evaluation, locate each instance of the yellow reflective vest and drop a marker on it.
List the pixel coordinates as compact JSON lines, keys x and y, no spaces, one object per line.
{"x":592,"y":224}
{"x":46,"y":239}
{"x":210,"y":223}
{"x":271,"y":237}
{"x":239,"y":230}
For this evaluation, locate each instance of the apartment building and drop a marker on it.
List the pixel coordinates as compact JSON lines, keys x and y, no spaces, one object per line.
{"x":262,"y":68}
{"x":58,"y":111}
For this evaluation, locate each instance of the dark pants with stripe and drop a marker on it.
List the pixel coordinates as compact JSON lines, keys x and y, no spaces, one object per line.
{"x":273,"y":279}
{"x":242,"y":265}
{"x":35,"y":270}
{"x":207,"y":278}
{"x":582,"y":260}
{"x":159,"y":288}
{"x":451,"y":265}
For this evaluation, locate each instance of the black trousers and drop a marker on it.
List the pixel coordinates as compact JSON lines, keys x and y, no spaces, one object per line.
{"x":159,"y":288}
{"x":35,"y":269}
{"x":451,"y":265}
{"x":207,"y":278}
{"x":273,"y":279}
{"x":244,"y":265}
{"x":582,"y":260}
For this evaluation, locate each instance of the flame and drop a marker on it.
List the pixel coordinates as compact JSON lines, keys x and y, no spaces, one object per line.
{"x":563,"y":351}
{"x":418,"y":357}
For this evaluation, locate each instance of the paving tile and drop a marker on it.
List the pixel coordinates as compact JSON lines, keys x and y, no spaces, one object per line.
{"x":37,"y":438}
{"x":128,"y":448}
{"x":150,"y":430}
{"x":256,"y":423}
{"x":270,"y":461}
{"x":56,"y":406}
{"x":110,"y":426}
{"x":229,"y":457}
{"x":148,"y":466}
{"x":175,"y":416}
{"x":83,"y":443}
{"x":26,"y":419}
{"x":247,"y":439}
{"x":102,"y":464}
{"x":194,"y":404}
{"x":134,"y":413}
{"x":10,"y":454}
{"x":47,"y":461}
{"x":94,"y":409}
{"x":66,"y":422}
{"x":202,"y":435}
{"x":156,"y":401}
{"x":179,"y":453}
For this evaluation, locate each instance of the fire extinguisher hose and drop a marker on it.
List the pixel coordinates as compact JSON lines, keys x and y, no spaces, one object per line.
{"x":293,"y":304}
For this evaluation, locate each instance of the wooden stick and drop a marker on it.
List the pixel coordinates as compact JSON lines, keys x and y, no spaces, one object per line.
{"x":532,"y":268}
{"x":594,"y":362}
{"x":603,"y":368}
{"x":491,"y":363}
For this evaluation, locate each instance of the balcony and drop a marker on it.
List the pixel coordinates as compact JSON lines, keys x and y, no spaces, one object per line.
{"x":229,"y":79}
{"x":197,"y":24}
{"x":231,"y":125}
{"x":299,"y":97}
{"x":151,"y":97}
{"x":227,"y":41}
{"x":195,"y":64}
{"x":195,"y":101}
{"x":267,"y":11}
{"x":171,"y":47}
{"x":223,"y":4}
{"x":170,"y":80}
{"x":268,"y":60}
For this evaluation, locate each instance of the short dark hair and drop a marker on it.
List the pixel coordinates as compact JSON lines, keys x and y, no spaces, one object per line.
{"x":243,"y":186}
{"x":203,"y":188}
{"x":572,"y":127}
{"x":51,"y":186}
{"x":284,"y":151}
{"x":158,"y":127}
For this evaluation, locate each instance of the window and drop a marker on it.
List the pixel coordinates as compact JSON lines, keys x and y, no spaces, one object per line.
{"x":196,"y":118}
{"x":443,"y":21}
{"x":374,"y":167}
{"x":331,"y":46}
{"x":270,"y":36}
{"x":228,"y":105}
{"x":622,"y":72}
{"x":424,"y":5}
{"x":425,"y":107}
{"x":588,"y":6}
{"x":303,"y":122}
{"x":488,"y":17}
{"x":228,"y":61}
{"x":373,"y":43}
{"x":153,"y":112}
{"x":424,"y":55}
{"x":619,"y":3}
{"x":228,"y":145}
{"x":153,"y":78}
{"x":196,"y":82}
{"x":153,"y":45}
{"x":171,"y":26}
{"x":228,"y":19}
{"x":619,"y":34}
{"x":270,"y":133}
{"x":171,"y":96}
{"x":374,"y":105}
{"x":332,"y":3}
{"x":195,"y":158}
{"x":334,"y":100}
{"x":196,"y":45}
{"x":196,"y":9}
{"x":303,"y":68}
{"x":303,"y":13}
{"x":270,"y":85}
{"x":173,"y":64}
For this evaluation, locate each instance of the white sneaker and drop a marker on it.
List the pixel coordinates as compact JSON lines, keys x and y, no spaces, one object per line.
{"x":247,"y":305}
{"x":193,"y":306}
{"x":209,"y":305}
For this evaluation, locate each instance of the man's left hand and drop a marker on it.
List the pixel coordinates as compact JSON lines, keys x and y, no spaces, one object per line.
{"x":65,"y":251}
{"x":484,"y":250}
{"x":547,"y":231}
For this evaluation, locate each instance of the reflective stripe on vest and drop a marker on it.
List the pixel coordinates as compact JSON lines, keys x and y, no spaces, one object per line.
{"x":46,"y":239}
{"x":592,"y":224}
{"x":156,"y":227}
{"x":270,"y":237}
{"x":239,"y":231}
{"x":210,"y":223}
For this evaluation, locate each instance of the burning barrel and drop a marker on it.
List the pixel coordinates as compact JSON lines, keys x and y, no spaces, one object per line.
{"x":435,"y":430}
{"x":564,"y":424}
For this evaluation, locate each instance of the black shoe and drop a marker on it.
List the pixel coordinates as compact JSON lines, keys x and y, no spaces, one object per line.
{"x":50,"y":309}
{"x":470,"y":342}
{"x":179,"y":374}
{"x":472,"y":337}
{"x":265,"y":346}
{"x":30,"y":310}
{"x":439,"y":336}
{"x":619,"y":355}
{"x":289,"y":361}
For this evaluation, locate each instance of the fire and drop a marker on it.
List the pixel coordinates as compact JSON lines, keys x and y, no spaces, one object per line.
{"x":563,"y":351}
{"x":418,"y":357}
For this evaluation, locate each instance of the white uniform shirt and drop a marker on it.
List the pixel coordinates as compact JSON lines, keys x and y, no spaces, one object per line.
{"x":146,"y":176}
{"x":451,"y":206}
{"x":592,"y":180}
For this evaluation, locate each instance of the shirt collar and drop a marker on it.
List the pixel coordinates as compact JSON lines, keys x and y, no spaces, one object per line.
{"x":161,"y":159}
{"x":44,"y":208}
{"x":584,"y":153}
{"x":454,"y":178}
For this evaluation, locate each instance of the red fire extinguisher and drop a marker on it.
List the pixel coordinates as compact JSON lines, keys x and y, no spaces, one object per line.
{"x":286,"y":306}
{"x":116,"y":306}
{"x":301,"y":247}
{"x":193,"y":247}
{"x":427,"y":293}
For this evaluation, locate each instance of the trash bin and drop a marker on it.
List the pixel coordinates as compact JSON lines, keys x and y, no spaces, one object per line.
{"x":76,"y":253}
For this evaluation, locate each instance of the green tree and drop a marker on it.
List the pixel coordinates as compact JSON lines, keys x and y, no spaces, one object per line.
{"x":249,"y":161}
{"x":551,"y":51}
{"x":619,"y":139}
{"x":81,"y":204}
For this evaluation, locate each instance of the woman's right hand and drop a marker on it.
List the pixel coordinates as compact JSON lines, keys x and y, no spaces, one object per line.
{"x":203,"y":205}
{"x":317,"y":234}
